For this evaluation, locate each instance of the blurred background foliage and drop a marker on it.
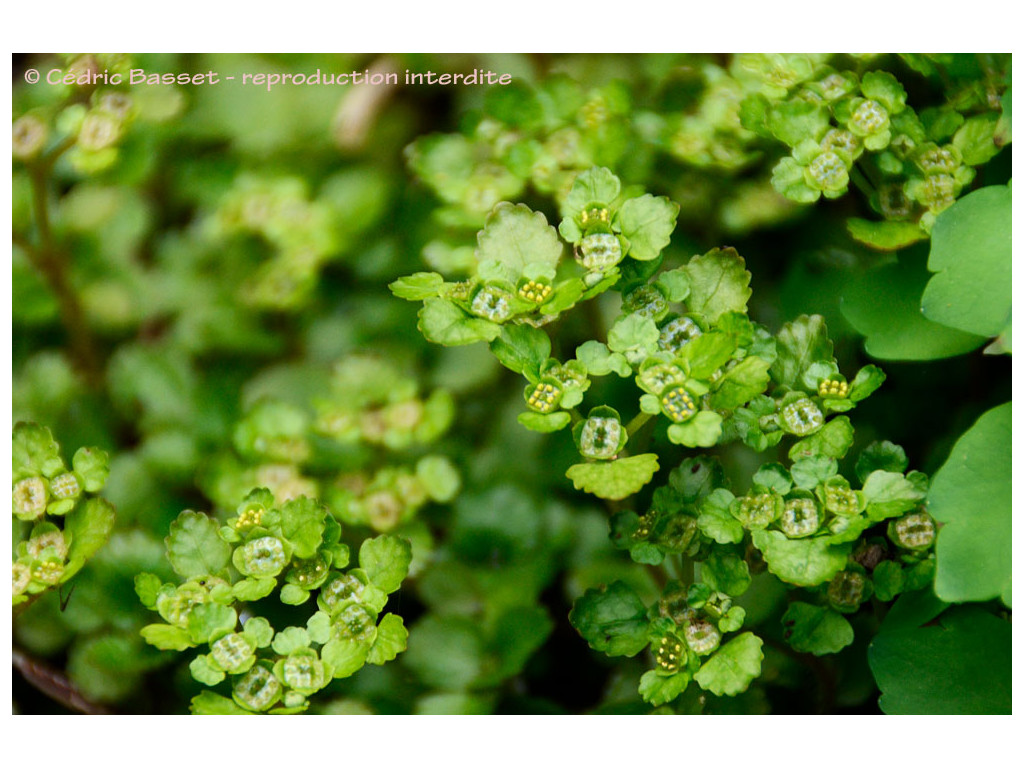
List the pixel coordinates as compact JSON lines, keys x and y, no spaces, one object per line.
{"x":200,"y":288}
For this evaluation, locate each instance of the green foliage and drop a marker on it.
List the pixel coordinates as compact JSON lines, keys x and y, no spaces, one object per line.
{"x":271,"y":547}
{"x":971,"y":495}
{"x":380,"y":357}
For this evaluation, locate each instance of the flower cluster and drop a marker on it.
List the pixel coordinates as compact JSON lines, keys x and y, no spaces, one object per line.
{"x":292,"y":550}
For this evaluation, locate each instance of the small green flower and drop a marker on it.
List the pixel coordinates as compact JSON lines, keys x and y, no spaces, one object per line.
{"x":29,"y":135}
{"x":677,"y":333}
{"x":21,"y":576}
{"x":30,"y":498}
{"x":601,"y":435}
{"x":492,"y":304}
{"x":847,"y":590}
{"x":757,"y":512}
{"x":800,"y":518}
{"x":869,"y":120}
{"x":801,"y":417}
{"x":646,"y":301}
{"x":678,"y":404}
{"x":341,"y":590}
{"x":702,"y":636}
{"x":599,"y":252}
{"x":544,"y":396}
{"x":258,"y":690}
{"x":669,"y":654}
{"x":302,"y":671}
{"x":234,"y":653}
{"x":915,"y":531}
{"x":355,"y":622}
{"x":260,"y":557}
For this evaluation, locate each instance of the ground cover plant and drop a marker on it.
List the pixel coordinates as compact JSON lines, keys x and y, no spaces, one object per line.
{"x":672,"y":383}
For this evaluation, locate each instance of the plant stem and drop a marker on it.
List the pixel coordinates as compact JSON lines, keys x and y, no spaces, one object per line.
{"x":861,"y":181}
{"x":52,"y":264}
{"x":54,"y":684}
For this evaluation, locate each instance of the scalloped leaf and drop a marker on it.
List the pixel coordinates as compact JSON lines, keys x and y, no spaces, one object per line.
{"x":970,"y":254}
{"x":614,"y":479}
{"x":971,"y":495}
{"x":732,"y":667}
{"x":803,"y":562}
{"x":194,"y":548}
{"x":517,"y":237}
{"x":442,"y":322}
{"x":647,"y":222}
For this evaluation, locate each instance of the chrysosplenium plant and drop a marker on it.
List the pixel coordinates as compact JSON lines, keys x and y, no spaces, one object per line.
{"x":59,"y":520}
{"x":700,"y":375}
{"x":291,"y":550}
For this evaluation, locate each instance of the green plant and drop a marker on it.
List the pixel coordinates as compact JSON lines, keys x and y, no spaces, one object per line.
{"x":561,"y":395}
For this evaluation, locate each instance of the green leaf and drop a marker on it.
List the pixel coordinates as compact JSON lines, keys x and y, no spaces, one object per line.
{"x":885,"y":235}
{"x":633,"y":333}
{"x":726,"y":572}
{"x":800,"y":344}
{"x":884,"y":88}
{"x":345,"y":656}
{"x":816,"y":629}
{"x":888,"y":580}
{"x":808,"y":472}
{"x":707,"y":353}
{"x":868,"y":379}
{"x":593,"y":186}
{"x":251,"y":590}
{"x":544,"y":422}
{"x":957,"y":666}
{"x":92,"y":467}
{"x":881,"y":455}
{"x":204,"y":672}
{"x":290,"y":639}
{"x":166,"y":637}
{"x":611,"y":619}
{"x":302,"y":524}
{"x":88,"y":528}
{"x":789,"y":181}
{"x":657,"y":689}
{"x":741,"y":383}
{"x":674,"y":284}
{"x":792,"y":122}
{"x":889,"y":494}
{"x":209,"y":621}
{"x":34,"y":452}
{"x":971,"y":253}
{"x":600,"y":361}
{"x":733,"y":666}
{"x":976,"y":138}
{"x":647,"y":222}
{"x":194,"y":548}
{"x":258,"y":629}
{"x":803,"y":562}
{"x":418,"y":286}
{"x":386,"y":561}
{"x":716,"y":521}
{"x":971,"y":495}
{"x":209,"y":703}
{"x":884,"y":305}
{"x":292,"y":594}
{"x":147,"y":585}
{"x":702,"y":431}
{"x":439,"y":477}
{"x":833,"y":440}
{"x":719,"y":283}
{"x":517,"y":238}
{"x":391,"y":640}
{"x":614,"y":479}
{"x":523,"y":349}
{"x":442,"y":322}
